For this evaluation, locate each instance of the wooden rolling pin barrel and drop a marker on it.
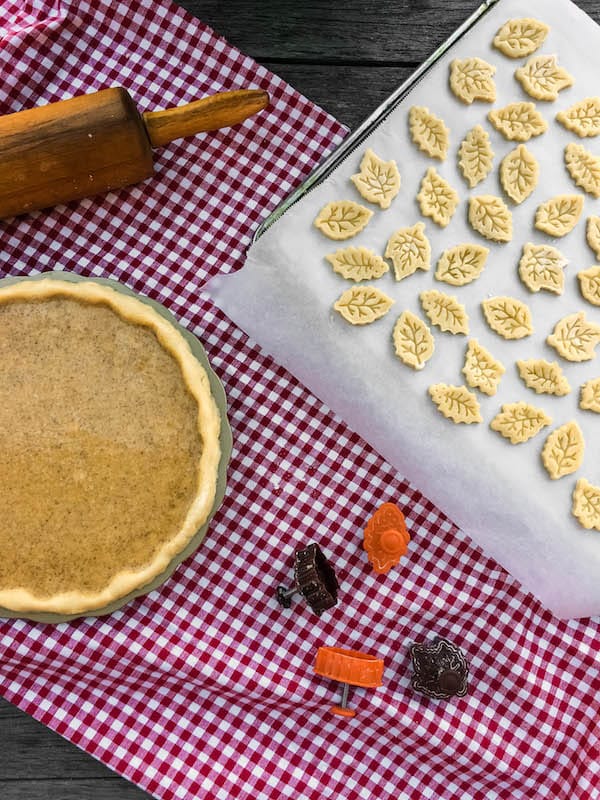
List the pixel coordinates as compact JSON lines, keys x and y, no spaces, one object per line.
{"x":99,"y":142}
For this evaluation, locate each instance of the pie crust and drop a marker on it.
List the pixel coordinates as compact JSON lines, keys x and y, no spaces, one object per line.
{"x":164,"y":398}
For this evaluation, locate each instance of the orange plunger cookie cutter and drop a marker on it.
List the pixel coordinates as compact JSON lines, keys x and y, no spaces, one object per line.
{"x":386,"y":537}
{"x":350,"y":668}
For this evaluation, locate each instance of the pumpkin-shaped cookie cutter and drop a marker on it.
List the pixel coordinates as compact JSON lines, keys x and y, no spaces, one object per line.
{"x":386,"y":537}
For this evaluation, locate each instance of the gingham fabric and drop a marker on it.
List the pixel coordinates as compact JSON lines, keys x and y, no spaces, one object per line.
{"x":205,"y":687}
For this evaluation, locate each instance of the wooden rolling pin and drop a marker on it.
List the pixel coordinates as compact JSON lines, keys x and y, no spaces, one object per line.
{"x":97,"y":142}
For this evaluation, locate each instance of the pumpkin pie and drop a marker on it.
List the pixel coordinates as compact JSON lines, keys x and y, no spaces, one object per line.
{"x":109,"y":442}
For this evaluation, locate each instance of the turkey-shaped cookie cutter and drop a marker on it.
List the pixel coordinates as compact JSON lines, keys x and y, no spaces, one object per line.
{"x":350,"y":668}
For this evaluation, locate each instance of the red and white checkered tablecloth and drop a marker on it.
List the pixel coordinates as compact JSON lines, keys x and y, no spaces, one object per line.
{"x":205,"y":688}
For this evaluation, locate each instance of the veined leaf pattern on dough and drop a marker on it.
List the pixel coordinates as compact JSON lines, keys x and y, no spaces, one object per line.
{"x":445,"y":311}
{"x":590,"y":396}
{"x":481,"y":369}
{"x":362,"y":305}
{"x":541,"y":267}
{"x":413,"y":342}
{"x":584,"y":168}
{"x":542,"y":78}
{"x":461,"y":264}
{"x":428,"y":132}
{"x":489,"y":216}
{"x":508,"y":317}
{"x":518,"y":122}
{"x":520,"y":37}
{"x":378,"y":181}
{"x":559,"y":215}
{"x":519,"y":422}
{"x":586,"y":504}
{"x":544,"y":377}
{"x":519,"y":173}
{"x":574,"y":338}
{"x":475,"y":156}
{"x":582,"y":118}
{"x":563,"y":450}
{"x":473,"y":79}
{"x":436,"y":198}
{"x":358,"y":264}
{"x":342,"y":219}
{"x":456,"y":403}
{"x":589,"y":284}
{"x":409,"y":250}
{"x":592,"y":234}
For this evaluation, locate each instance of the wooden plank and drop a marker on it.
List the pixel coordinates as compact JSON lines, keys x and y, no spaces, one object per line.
{"x":349,"y":93}
{"x":37,"y":764}
{"x":29,"y":752}
{"x":397,"y":32}
{"x":116,"y":789}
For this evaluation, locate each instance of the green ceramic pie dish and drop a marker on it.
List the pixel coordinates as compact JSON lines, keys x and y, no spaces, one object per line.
{"x":225,"y":440}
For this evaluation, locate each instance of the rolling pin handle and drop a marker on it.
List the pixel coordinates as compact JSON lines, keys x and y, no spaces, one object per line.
{"x":208,"y":114}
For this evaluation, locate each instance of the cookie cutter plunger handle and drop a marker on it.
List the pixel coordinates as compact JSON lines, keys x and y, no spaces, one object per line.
{"x":350,"y":668}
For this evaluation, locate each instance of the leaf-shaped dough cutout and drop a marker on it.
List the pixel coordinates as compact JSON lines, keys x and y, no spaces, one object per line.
{"x":589,"y":284}
{"x":489,"y":216}
{"x":461,"y":264}
{"x":582,"y":118}
{"x":589,"y":398}
{"x":409,"y":250}
{"x":586,"y":504}
{"x":541,"y":267}
{"x":445,"y":311}
{"x":559,"y":215}
{"x":475,"y":156}
{"x":378,"y":181}
{"x":592,"y":234}
{"x":436,"y":198}
{"x":520,"y":37}
{"x":542,"y":78}
{"x":519,"y":422}
{"x":473,"y":79}
{"x":584,"y":168}
{"x":357,"y":264}
{"x":428,"y":132}
{"x":456,"y":403}
{"x":342,"y":219}
{"x":544,"y":377}
{"x":574,"y":338}
{"x":519,"y":173}
{"x":481,"y":369}
{"x":363,"y":304}
{"x":508,"y":317}
{"x":413,"y":341}
{"x":518,"y":122}
{"x":563,"y":450}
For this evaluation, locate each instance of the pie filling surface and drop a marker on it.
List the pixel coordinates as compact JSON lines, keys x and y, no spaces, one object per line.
{"x":109,"y":443}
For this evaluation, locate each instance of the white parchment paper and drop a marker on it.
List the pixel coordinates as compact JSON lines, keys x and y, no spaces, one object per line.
{"x":498,"y":493}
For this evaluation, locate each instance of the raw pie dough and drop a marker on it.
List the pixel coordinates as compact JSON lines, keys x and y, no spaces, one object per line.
{"x":542,"y":78}
{"x":541,"y":266}
{"x":520,"y":37}
{"x":473,"y":79}
{"x":475,"y":156}
{"x":110,"y":445}
{"x":378,"y":181}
